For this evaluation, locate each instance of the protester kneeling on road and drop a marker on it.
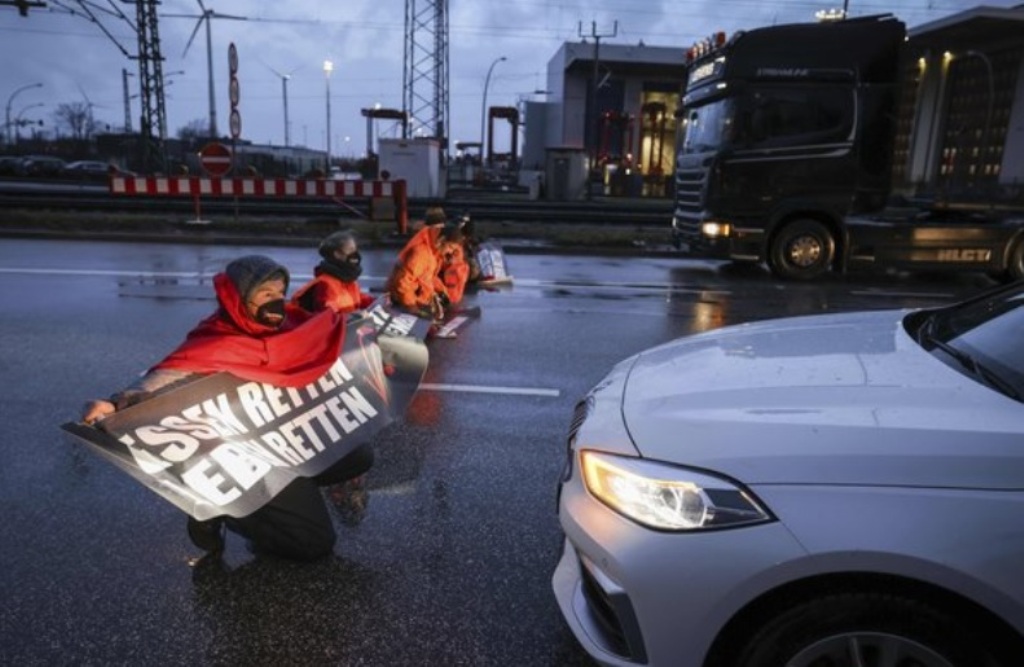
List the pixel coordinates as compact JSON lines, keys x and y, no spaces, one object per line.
{"x":415,"y":282}
{"x":256,"y":335}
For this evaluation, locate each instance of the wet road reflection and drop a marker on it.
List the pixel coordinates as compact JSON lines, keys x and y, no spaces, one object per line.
{"x":451,"y":561}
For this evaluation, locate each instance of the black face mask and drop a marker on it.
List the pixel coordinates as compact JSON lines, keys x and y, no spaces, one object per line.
{"x":347,"y":269}
{"x":275,"y":307}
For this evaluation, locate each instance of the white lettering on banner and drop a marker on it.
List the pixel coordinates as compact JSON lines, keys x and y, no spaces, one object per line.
{"x":274,"y":395}
{"x":205,"y":481}
{"x":276,"y":441}
{"x":340,"y":373}
{"x":294,"y":431}
{"x":216,"y":428}
{"x":357,"y":410}
{"x":325,"y":383}
{"x":302,"y":422}
{"x":320,"y":414}
{"x":347,"y":411}
{"x":255,"y":408}
{"x":255,"y":449}
{"x":295,"y":441}
{"x":397,"y":324}
{"x":245,"y":469}
{"x":180,"y":446}
{"x":263,"y":403}
{"x":220,"y":409}
{"x":147,"y":463}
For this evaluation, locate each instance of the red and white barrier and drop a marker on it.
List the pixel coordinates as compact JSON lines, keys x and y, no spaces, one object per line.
{"x":242,"y":187}
{"x":197,"y":186}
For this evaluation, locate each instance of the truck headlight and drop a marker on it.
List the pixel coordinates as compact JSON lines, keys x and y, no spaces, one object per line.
{"x":713,"y":230}
{"x":667,"y":497}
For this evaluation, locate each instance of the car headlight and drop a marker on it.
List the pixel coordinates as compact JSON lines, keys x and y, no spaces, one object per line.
{"x":667,"y":497}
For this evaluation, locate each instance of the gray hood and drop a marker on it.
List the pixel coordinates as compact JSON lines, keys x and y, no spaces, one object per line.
{"x":833,"y":399}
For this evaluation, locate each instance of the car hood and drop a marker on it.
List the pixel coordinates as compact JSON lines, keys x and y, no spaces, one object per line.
{"x":827,"y":399}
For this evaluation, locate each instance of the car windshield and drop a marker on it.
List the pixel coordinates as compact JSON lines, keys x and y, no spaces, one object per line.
{"x":983,"y":335}
{"x":707,"y":127}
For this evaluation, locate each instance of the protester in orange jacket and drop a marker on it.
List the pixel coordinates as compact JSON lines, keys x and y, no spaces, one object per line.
{"x":334,"y":285}
{"x":454,"y":271}
{"x":415,"y":282}
{"x":460,"y":265}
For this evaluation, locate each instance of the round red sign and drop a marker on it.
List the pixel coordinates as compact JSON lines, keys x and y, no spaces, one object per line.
{"x":215,"y":158}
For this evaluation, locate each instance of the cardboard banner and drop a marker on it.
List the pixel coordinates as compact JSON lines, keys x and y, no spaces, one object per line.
{"x":493,"y":268}
{"x":225,"y":446}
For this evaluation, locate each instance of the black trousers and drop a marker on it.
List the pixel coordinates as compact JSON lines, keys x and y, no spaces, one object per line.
{"x":295,"y":524}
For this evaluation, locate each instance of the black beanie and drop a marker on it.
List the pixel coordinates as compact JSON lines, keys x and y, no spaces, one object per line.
{"x":334,"y":241}
{"x":249,"y":272}
{"x":452,"y":231}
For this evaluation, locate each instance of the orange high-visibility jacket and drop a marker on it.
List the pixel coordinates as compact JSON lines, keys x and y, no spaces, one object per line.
{"x":327,"y":291}
{"x":415,"y":279}
{"x":455,"y":271}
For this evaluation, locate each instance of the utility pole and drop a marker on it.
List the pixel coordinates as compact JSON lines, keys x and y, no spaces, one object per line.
{"x":425,"y":78}
{"x":151,"y":80}
{"x":592,"y":113}
{"x":127,"y":102}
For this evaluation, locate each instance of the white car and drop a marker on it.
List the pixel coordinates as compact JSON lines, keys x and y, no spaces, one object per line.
{"x":820,"y":491}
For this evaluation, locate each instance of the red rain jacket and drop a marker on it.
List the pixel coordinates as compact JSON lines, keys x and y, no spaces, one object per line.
{"x":302,"y":349}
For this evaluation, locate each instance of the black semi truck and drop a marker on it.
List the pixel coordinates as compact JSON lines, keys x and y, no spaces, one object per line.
{"x":784,"y":157}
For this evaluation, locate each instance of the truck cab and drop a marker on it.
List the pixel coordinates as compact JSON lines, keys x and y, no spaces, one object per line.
{"x":784,"y":131}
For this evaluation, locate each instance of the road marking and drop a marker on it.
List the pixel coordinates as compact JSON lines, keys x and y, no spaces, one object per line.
{"x":480,"y":389}
{"x":198,"y":275}
{"x":101,"y":272}
{"x":636,"y":287}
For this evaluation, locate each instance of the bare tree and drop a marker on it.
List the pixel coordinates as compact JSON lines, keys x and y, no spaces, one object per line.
{"x":194,"y":129}
{"x":77,"y":118}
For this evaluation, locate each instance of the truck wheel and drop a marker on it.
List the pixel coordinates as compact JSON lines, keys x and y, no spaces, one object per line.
{"x":866,"y":628}
{"x":801,"y":250}
{"x":1015,"y":265}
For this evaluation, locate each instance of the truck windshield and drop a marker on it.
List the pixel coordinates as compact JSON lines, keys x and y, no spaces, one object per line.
{"x":707,"y":127}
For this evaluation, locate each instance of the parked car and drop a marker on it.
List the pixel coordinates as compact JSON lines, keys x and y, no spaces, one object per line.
{"x":840,"y":489}
{"x":87,"y":170}
{"x":40,"y":165}
{"x":9,"y":165}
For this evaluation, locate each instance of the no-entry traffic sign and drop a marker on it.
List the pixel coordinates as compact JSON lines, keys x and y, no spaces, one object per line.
{"x":215,"y":158}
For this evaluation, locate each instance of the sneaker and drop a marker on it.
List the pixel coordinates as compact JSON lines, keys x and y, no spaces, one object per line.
{"x":207,"y":535}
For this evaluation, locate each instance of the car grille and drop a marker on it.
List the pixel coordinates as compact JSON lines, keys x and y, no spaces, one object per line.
{"x":691,"y":181}
{"x":613,"y":613}
{"x":601,"y":606}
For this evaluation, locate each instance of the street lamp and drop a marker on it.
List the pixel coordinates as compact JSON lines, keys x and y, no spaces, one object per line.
{"x":10,"y":100}
{"x":328,"y":68}
{"x":17,"y":120}
{"x":483,"y":104}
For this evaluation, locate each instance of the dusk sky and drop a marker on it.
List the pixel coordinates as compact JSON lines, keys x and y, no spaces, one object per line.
{"x":76,"y":62}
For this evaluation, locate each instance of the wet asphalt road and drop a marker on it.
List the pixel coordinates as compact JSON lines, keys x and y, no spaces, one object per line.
{"x":451,"y":563}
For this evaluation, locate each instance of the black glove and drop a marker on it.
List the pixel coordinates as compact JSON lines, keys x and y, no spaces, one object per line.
{"x":443,"y":299}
